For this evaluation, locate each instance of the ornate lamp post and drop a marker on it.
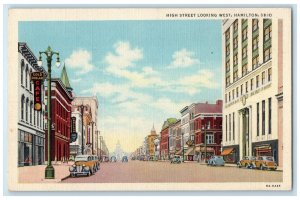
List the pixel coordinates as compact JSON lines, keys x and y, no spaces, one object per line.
{"x":82,"y":134}
{"x":49,"y":171}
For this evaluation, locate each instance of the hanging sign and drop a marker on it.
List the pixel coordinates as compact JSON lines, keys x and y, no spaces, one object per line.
{"x":37,"y":78}
{"x":73,"y":124}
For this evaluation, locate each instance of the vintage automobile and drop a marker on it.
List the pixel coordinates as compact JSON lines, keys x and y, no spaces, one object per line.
{"x":265,"y":162}
{"x":97,"y":162}
{"x":176,"y":159}
{"x":216,"y":161}
{"x":113,"y":159}
{"x":124,"y":159}
{"x":246,"y":162}
{"x":84,"y":165}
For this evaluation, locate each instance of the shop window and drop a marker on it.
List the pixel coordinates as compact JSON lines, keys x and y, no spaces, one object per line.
{"x":254,"y":24}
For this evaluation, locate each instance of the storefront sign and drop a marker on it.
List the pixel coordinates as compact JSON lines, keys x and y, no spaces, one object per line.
{"x":36,"y":76}
{"x":37,"y":95}
{"x":73,"y":124}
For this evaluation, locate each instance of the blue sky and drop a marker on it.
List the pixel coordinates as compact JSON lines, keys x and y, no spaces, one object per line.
{"x":141,"y":71}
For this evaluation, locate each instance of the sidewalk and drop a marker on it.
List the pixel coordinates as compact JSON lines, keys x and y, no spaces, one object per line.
{"x":36,"y":174}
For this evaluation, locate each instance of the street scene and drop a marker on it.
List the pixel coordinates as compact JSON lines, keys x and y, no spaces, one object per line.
{"x":132,"y":102}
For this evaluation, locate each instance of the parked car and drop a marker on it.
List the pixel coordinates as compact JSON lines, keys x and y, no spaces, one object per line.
{"x":113,"y":159}
{"x":124,"y":159}
{"x":265,"y":162}
{"x":216,"y":161}
{"x":84,"y":165}
{"x":247,"y":162}
{"x":176,"y":159}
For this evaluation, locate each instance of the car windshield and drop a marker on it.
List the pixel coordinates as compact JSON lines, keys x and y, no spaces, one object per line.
{"x":81,"y":158}
{"x":269,"y":158}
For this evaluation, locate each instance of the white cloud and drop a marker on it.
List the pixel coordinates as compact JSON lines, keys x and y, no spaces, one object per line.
{"x":169,"y":107}
{"x":80,"y":60}
{"x":183,"y":59}
{"x":121,"y":62}
{"x":76,"y":80}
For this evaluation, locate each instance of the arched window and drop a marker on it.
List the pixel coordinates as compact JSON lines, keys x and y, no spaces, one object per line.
{"x":22,"y":107}
{"x":26,"y":76}
{"x":30,"y":83}
{"x":22,"y":71}
{"x":26,"y":108}
{"x":31,"y":109}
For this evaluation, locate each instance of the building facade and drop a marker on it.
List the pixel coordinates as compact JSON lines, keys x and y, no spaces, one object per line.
{"x":185,"y":130}
{"x":89,"y":106}
{"x":76,"y":147}
{"x":207,"y":129}
{"x":164,"y":141}
{"x":150,"y":142}
{"x":251,"y":110}
{"x":61,"y":109}
{"x":31,"y":135}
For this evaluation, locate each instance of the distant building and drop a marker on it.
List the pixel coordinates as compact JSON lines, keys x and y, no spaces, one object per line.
{"x":150,"y":142}
{"x":118,"y":152}
{"x":31,"y":135}
{"x":164,"y":141}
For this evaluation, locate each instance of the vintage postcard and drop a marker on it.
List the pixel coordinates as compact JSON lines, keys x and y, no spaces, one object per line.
{"x":150,"y":99}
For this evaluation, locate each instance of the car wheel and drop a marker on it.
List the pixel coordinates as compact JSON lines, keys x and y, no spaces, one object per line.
{"x":246,"y":165}
{"x":89,"y":174}
{"x":261,"y":167}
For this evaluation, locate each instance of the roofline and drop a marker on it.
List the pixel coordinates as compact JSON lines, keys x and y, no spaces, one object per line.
{"x":183,"y":109}
{"x":63,"y":86}
{"x":34,"y":62}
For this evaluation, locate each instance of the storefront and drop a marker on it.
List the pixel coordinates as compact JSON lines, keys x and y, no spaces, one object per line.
{"x":30,"y":149}
{"x":266,"y":148}
{"x":190,"y":154}
{"x":231,"y":154}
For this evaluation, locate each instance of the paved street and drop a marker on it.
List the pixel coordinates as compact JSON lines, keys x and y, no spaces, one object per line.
{"x":143,"y":171}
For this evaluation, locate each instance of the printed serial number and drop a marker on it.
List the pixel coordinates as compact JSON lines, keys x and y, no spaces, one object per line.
{"x":273,"y":185}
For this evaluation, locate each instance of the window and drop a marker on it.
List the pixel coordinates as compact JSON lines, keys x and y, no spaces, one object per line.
{"x":251,"y":84}
{"x":229,"y":96}
{"x":227,"y":80}
{"x":268,"y":54}
{"x":30,"y":83}
{"x":227,"y":34}
{"x":257,"y":81}
{"x":235,"y":43}
{"x":225,"y":98}
{"x":235,"y":59}
{"x":255,"y":62}
{"x":246,"y":86}
{"x":233,"y":126}
{"x":269,"y":74}
{"x":226,"y":127}
{"x":22,"y":107}
{"x":228,"y":66}
{"x":227,"y":50}
{"x":255,"y":43}
{"x":235,"y":25}
{"x":30,"y":112}
{"x":235,"y":75}
{"x":245,"y":34}
{"x":263,"y":118}
{"x":241,"y":89}
{"x":209,"y":139}
{"x":237,"y":92}
{"x":26,"y":76}
{"x":254,"y":24}
{"x":257,"y":119}
{"x":27,"y":106}
{"x":268,"y":33}
{"x":245,"y":52}
{"x":263,"y":78}
{"x":22,"y":71}
{"x":270,"y":115}
{"x":232,"y":94}
{"x":244,"y":69}
{"x":229,"y":127}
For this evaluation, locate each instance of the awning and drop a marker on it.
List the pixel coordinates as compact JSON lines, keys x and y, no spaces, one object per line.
{"x":197,"y":149}
{"x":190,"y":152}
{"x":227,"y":151}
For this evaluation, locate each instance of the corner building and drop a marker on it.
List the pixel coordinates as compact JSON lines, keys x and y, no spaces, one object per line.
{"x":252,"y":57}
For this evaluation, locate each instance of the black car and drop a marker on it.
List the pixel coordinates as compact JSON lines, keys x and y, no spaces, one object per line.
{"x":124,"y":159}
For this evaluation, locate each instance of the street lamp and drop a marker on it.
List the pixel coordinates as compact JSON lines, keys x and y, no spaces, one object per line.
{"x":205,"y":143}
{"x":92,"y":123}
{"x":182,"y":142}
{"x":82,"y":134}
{"x":49,"y":171}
